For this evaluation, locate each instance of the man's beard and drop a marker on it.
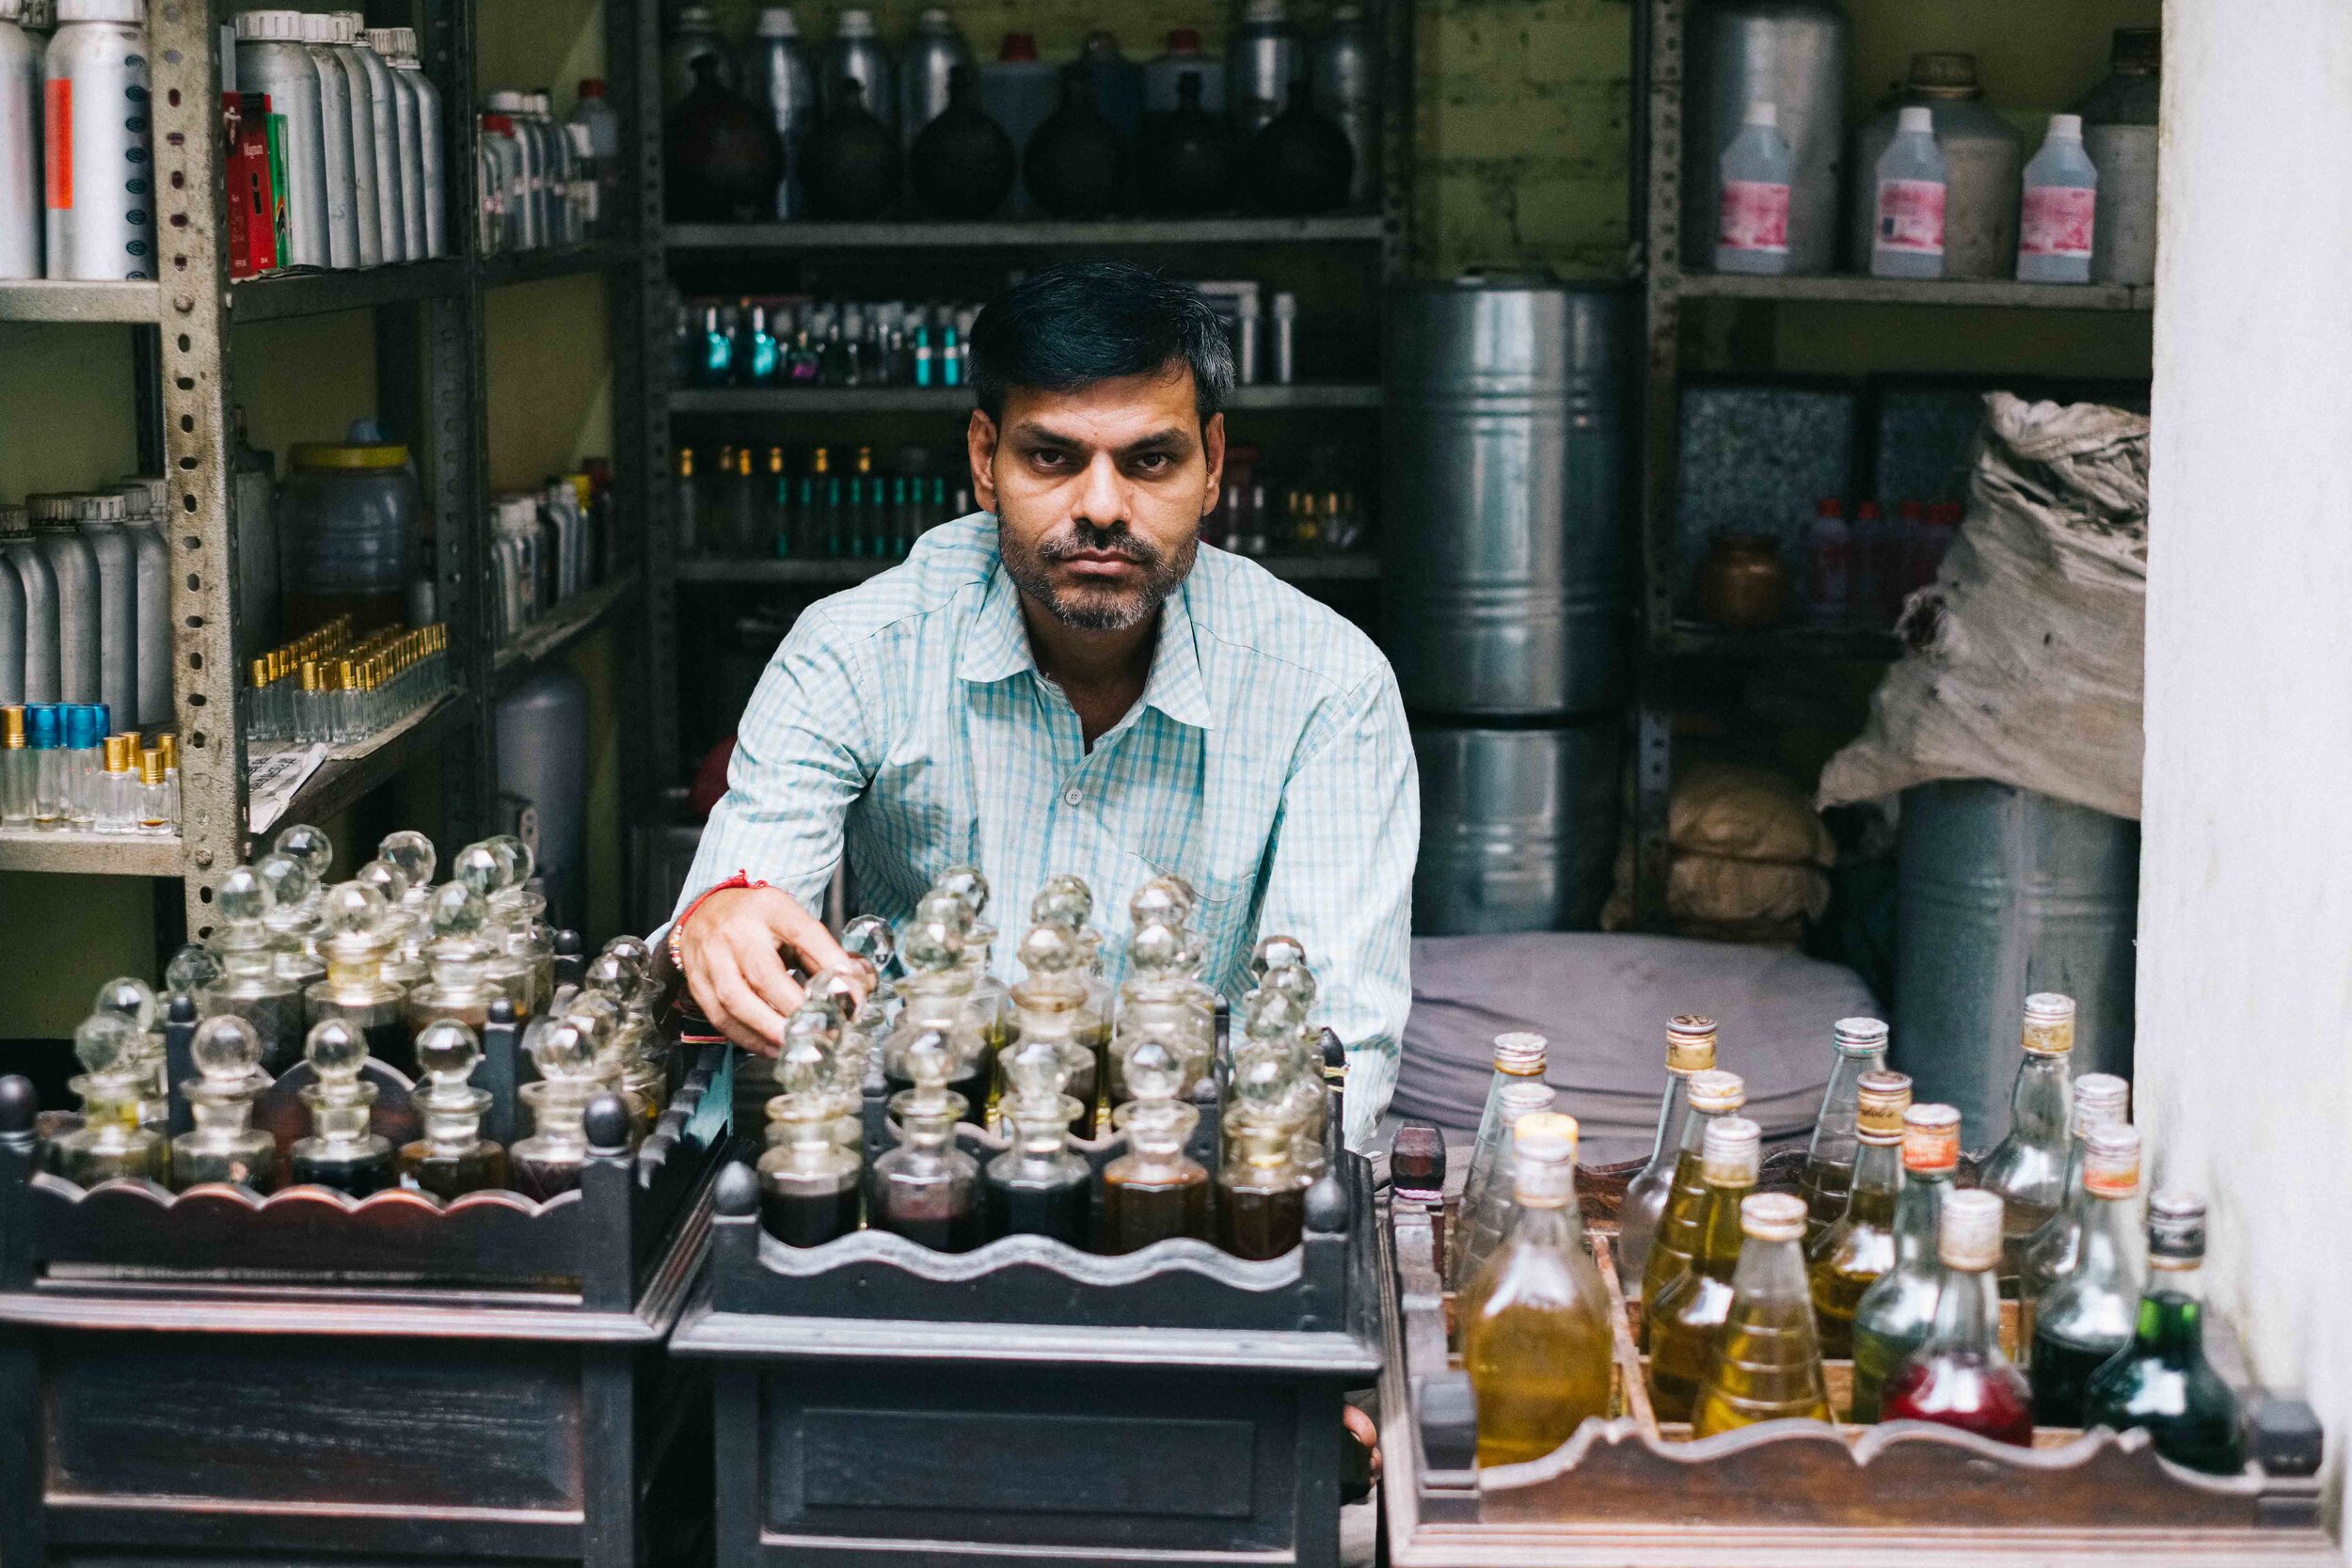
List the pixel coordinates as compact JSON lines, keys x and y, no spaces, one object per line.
{"x":1092,"y":608}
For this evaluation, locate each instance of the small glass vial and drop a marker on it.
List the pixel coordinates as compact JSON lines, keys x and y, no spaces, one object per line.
{"x":1690,"y":1049}
{"x":1958,"y":1377}
{"x":1861,"y":1047}
{"x":547,"y":1163}
{"x":1766,"y":1367}
{"x":1041,"y":1186}
{"x":45,"y":735}
{"x":114,"y":1081}
{"x":926,"y":1189}
{"x":452,"y":1158}
{"x":340,"y":1151}
{"x":252,"y":985}
{"x":225,"y":1145}
{"x":168,"y":747}
{"x":16,"y":769}
{"x":118,"y":787}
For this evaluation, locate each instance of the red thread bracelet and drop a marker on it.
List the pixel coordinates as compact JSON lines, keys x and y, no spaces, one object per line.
{"x":677,"y":927}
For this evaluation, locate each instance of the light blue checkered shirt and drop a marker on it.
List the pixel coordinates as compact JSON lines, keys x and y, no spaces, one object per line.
{"x":1268,"y":764}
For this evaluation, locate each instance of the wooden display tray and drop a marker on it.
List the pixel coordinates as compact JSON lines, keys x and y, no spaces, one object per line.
{"x":274,"y":1378}
{"x":1630,"y":1492}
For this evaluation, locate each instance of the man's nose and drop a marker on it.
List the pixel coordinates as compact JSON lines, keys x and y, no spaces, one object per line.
{"x":1101,"y":494}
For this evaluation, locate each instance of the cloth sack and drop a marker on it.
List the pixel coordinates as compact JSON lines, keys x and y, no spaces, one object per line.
{"x":1746,"y":850}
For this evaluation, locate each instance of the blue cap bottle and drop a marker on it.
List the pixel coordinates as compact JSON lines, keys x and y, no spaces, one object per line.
{"x":41,"y":730}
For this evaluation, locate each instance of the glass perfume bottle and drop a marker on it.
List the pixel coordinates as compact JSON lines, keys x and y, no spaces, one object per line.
{"x":991,"y":1000}
{"x":1066,"y":900}
{"x":637,"y":1042}
{"x":1482,"y":1221}
{"x":452,"y":1158}
{"x":1041,"y":1186}
{"x":547,"y":1163}
{"x":1861,"y":1047}
{"x":1958,"y":1377}
{"x":194,"y":969}
{"x":1690,"y":1047}
{"x":520,"y":910}
{"x":1687,"y":1319}
{"x":2100,"y":1100}
{"x":1851,"y":1254}
{"x":1894,"y":1315}
{"x":808,"y":1180}
{"x":1535,"y":1333}
{"x":2028,"y":1168}
{"x":935,"y":997}
{"x":134,"y":999}
{"x":1262,"y":1188}
{"x":412,"y":854}
{"x":2161,"y":1382}
{"x":459,"y":958}
{"x":2090,"y":1314}
{"x":1054,"y":1010}
{"x":1278,"y":1017}
{"x":225,"y":1145}
{"x":1767,"y":1365}
{"x":291,"y":918}
{"x":926,"y":1189}
{"x":110,"y":1142}
{"x":314,"y":850}
{"x":511,"y":968}
{"x":355,"y":989}
{"x":252,"y":985}
{"x":1160,"y":988}
{"x":403,"y":932}
{"x":340,"y":1151}
{"x":1155,"y":1190}
{"x":1712,"y":1094}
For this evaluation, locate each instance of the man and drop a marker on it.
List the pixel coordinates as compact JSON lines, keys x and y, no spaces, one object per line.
{"x":1069,"y":682}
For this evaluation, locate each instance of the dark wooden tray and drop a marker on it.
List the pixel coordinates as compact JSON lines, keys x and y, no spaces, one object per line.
{"x":1801,"y":1493}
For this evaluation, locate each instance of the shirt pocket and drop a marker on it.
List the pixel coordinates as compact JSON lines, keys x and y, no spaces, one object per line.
{"x":913,"y":817}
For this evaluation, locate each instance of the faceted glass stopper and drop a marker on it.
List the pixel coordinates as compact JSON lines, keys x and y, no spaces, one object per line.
{"x":1155,"y":1061}
{"x":933,"y":946}
{"x":560,"y":1050}
{"x":1064,"y":900}
{"x":1296,"y":981}
{"x":1272,"y":1015}
{"x":458,"y":911}
{"x":287,"y":878}
{"x":869,"y":937}
{"x":1156,"y":949}
{"x":1038,"y":1073}
{"x":1262,"y":1080}
{"x":244,"y":897}
{"x":192,"y":969}
{"x":1160,"y":902}
{"x":108,"y":1045}
{"x":447,"y":1050}
{"x":481,"y":868}
{"x":632,"y":951}
{"x":964,"y":882}
{"x":1051,"y":949}
{"x":609,"y":974}
{"x":598,"y":1017}
{"x":944,"y":908}
{"x":805,"y":1065}
{"x":309,"y":845}
{"x":354,"y":910}
{"x":929,"y":1060}
{"x":131,"y":996}
{"x":522,"y":863}
{"x":226,"y":1049}
{"x":387,"y":879}
{"x":335,"y":1051}
{"x":838,"y":991}
{"x":1273,"y":953}
{"x":412,"y":852}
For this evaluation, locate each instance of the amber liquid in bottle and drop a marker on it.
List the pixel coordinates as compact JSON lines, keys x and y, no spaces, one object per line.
{"x":1139,"y":1209}
{"x":1260,"y":1223}
{"x":1713,"y":1095}
{"x":1851,"y":1254}
{"x":1687,"y":1317}
{"x":1769,"y":1366}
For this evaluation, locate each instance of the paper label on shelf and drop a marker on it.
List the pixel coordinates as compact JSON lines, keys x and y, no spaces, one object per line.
{"x":1755,"y":217}
{"x":2055,"y":220}
{"x":1910,"y":217}
{"x":272,"y":781}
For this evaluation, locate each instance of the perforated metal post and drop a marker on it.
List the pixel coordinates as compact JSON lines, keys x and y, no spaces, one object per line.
{"x":1659,"y":76}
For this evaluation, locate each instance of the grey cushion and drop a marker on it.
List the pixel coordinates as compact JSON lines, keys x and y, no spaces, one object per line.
{"x":1602,"y":1000}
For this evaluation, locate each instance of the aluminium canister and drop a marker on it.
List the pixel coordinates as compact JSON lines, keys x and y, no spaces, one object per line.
{"x":432,"y":156}
{"x":117,"y":560}
{"x":99,"y":178}
{"x":388,"y":44}
{"x":11,"y":634}
{"x":778,"y":83}
{"x":55,"y":520}
{"x":1793,"y":54}
{"x":20,"y":219}
{"x":343,"y":196}
{"x":359,"y":98}
{"x":39,"y":585}
{"x":271,"y":60}
{"x":142,"y":501}
{"x":1263,"y":58}
{"x":1519,"y":827}
{"x":857,"y":53}
{"x":1346,"y":87}
{"x":1504,"y":477}
{"x":391,"y":229}
{"x":933,"y":49}
{"x":2003,"y":893}
{"x":543,"y":758}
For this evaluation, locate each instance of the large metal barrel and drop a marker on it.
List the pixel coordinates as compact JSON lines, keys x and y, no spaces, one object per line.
{"x":1519,"y":828}
{"x":2003,"y":893}
{"x":1505,"y":489}
{"x":542,"y":759}
{"x":1790,"y":54}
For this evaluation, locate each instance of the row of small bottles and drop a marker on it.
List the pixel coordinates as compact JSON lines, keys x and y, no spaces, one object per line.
{"x":59,"y":769}
{"x":1880,"y":1257}
{"x":1042,"y":1062}
{"x":86,"y":601}
{"x":749,"y":504}
{"x":777,"y":341}
{"x":327,"y":687}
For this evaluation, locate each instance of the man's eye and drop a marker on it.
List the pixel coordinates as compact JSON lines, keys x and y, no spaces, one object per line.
{"x":1049,"y":459}
{"x":1153,"y":463}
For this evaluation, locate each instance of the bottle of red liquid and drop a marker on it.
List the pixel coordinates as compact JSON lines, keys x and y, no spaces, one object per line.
{"x":1958,"y":1377}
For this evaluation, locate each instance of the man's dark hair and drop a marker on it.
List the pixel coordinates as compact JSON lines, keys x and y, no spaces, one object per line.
{"x":1078,"y":322}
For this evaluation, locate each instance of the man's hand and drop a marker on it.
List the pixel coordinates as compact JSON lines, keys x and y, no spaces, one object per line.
{"x":733,"y":948}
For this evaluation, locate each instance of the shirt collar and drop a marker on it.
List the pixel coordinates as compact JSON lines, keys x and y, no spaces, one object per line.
{"x":996,"y":646}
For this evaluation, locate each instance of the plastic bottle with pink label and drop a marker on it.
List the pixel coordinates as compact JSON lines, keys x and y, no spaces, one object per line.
{"x":1907,"y":240}
{"x":2055,"y":226}
{"x":1758,"y":167}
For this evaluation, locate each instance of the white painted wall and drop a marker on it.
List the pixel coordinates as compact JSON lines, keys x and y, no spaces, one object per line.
{"x":2245,"y":1047}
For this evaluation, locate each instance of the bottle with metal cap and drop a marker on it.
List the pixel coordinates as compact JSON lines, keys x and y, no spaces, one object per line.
{"x":1346,"y":70}
{"x":778,"y":81}
{"x":1485,"y":1216}
{"x":392,"y":231}
{"x":1852,"y":1254}
{"x":1688,"y":1317}
{"x":597,"y":130}
{"x":142,"y":507}
{"x":1690,"y":1049}
{"x":1958,"y":1377}
{"x":343,"y":199}
{"x":101,"y":528}
{"x":391,"y":45}
{"x":2161,"y":1383}
{"x":84,"y":752}
{"x":932,"y":52}
{"x":55,"y":519}
{"x":16,"y":769}
{"x":1984,"y":158}
{"x":1714,"y":1094}
{"x":272,"y":60}
{"x":2084,"y":1318}
{"x":99,"y":175}
{"x":1767,"y":1365}
{"x":692,"y":36}
{"x":2101,"y":1100}
{"x":20,"y":145}
{"x":45,"y":737}
{"x":527,"y":187}
{"x":1261,"y":60}
{"x":360,"y":97}
{"x":1829,"y":1157}
{"x":855,"y":52}
{"x":2028,"y":1168}
{"x":1894,"y":1315}
{"x":39,"y":585}
{"x":117,"y":785}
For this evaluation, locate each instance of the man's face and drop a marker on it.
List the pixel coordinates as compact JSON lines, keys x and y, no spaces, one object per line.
{"x":1099,"y":494}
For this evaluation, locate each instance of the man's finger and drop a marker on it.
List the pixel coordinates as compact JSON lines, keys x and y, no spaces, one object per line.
{"x":763,"y":974}
{"x":735,"y":1009}
{"x":806,"y":936}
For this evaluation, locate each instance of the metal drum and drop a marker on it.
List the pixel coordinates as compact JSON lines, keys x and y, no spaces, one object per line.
{"x":1519,"y":828}
{"x":542,"y":759}
{"x":2003,"y":893}
{"x":1790,"y":54}
{"x":1504,"y":488}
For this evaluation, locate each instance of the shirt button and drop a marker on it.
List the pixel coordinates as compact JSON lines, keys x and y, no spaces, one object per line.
{"x":1073,"y":796}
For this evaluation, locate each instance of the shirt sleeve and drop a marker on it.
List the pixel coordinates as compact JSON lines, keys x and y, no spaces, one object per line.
{"x":1342,"y":882}
{"x":802,"y":755}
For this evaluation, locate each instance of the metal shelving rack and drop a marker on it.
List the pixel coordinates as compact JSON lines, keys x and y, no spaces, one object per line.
{"x":430,"y":395}
{"x":1665,"y":641}
{"x":1380,"y":232}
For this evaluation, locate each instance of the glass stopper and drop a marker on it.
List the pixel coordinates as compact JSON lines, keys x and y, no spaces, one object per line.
{"x":560,"y":1050}
{"x":309,"y":845}
{"x":1177,"y":893}
{"x":1156,"y":949}
{"x":929,"y":1060}
{"x":964,"y":882}
{"x":1064,"y":900}
{"x":412,"y":852}
{"x":131,"y":996}
{"x":226,"y":1049}
{"x":109,"y":1044}
{"x":481,"y":868}
{"x":945,"y":909}
{"x":1272,"y":1015}
{"x":1052,"y":949}
{"x":931,"y":945}
{"x":458,"y":911}
{"x":869,"y":937}
{"x":1275,"y":952}
{"x":335,"y":1051}
{"x":287,"y":878}
{"x":519,"y":856}
{"x":633,"y":952}
{"x":1038,"y":1073}
{"x":1155,"y":1061}
{"x":354,"y":910}
{"x":598,"y":1015}
{"x":1262,"y":1080}
{"x":447,"y":1050}
{"x":192,"y":969}
{"x":608,"y":975}
{"x":242,"y":898}
{"x":385,"y":877}
{"x":1156,"y":903}
{"x":838,"y":991}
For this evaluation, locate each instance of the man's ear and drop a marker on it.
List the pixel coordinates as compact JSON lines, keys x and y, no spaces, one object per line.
{"x":979,"y":441}
{"x":1213,"y":449}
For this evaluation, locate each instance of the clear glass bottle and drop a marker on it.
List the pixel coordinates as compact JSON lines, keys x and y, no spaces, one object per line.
{"x":17,"y":766}
{"x":1767,"y":1365}
{"x":1712,"y":1094}
{"x":404,"y":931}
{"x":134,"y":999}
{"x":1519,"y":1059}
{"x":1041,"y":1186}
{"x":547,"y":1163}
{"x":2028,"y":1168}
{"x":808,"y":1181}
{"x":637,"y":1039}
{"x":1894,"y":1315}
{"x":1262,"y":1188}
{"x":1851,"y":1254}
{"x":1160,"y":988}
{"x":2089,"y":1315}
{"x":224,"y":1145}
{"x":110,"y":1142}
{"x":340,"y":1151}
{"x":1861,"y":1047}
{"x":157,"y":811}
{"x":118,"y":787}
{"x":511,"y":968}
{"x":252,"y":985}
{"x":1690,"y":1049}
{"x":1688,"y":1317}
{"x":926,"y":1189}
{"x":2101,"y":1100}
{"x":1155,"y":1190}
{"x":521,"y":912}
{"x":1482,"y":1219}
{"x":293,"y":919}
{"x":458,"y":959}
{"x":1054,"y":1007}
{"x":357,"y":940}
{"x":936,"y":997}
{"x":2161,"y":1382}
{"x":452,"y":1158}
{"x":1536,"y":1339}
{"x":1958,"y":1377}
{"x":412,"y":855}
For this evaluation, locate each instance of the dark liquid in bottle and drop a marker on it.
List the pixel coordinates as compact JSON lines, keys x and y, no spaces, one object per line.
{"x":1136,"y":1216}
{"x":809,"y":1219}
{"x":544,"y":1179}
{"x":370,"y":1173}
{"x":448,"y":1176}
{"x":2062,"y":1371}
{"x":1258,"y":1224}
{"x":1966,"y":1391}
{"x":1063,"y":1212}
{"x":390,"y":1042}
{"x":940,"y":1215}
